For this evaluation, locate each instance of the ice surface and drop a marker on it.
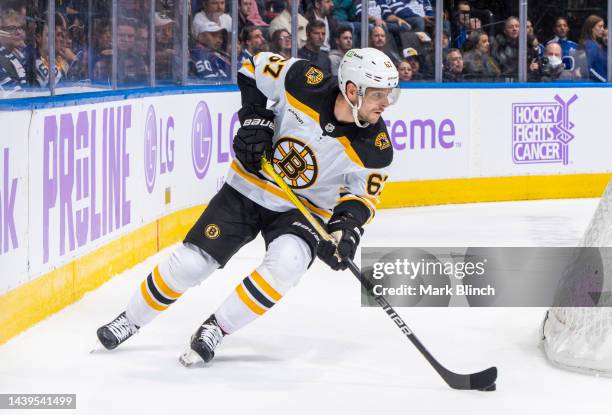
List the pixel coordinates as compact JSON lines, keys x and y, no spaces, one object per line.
{"x":318,"y":351}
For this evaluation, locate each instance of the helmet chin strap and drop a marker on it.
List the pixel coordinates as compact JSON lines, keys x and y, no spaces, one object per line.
{"x":355,"y":110}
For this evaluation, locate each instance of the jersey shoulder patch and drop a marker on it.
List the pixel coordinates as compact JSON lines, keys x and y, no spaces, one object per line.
{"x":307,"y":83}
{"x":373,"y":146}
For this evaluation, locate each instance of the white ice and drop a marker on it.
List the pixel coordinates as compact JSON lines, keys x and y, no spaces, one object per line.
{"x":319,"y":351}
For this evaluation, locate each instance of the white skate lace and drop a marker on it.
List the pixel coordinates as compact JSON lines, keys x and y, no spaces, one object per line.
{"x":211,"y":335}
{"x":122,"y":328}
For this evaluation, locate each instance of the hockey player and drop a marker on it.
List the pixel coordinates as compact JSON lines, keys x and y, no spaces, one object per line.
{"x":326,"y":138}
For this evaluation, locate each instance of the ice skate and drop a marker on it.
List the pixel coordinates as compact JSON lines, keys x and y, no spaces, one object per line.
{"x":116,"y":332}
{"x":203,"y":343}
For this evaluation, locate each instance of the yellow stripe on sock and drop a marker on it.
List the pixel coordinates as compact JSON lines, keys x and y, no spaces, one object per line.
{"x":267,"y":288}
{"x":163,"y":287}
{"x":248,"y":302}
{"x":150,"y":301}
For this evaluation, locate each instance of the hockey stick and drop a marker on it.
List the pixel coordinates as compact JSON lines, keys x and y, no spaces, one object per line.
{"x":483,"y":381}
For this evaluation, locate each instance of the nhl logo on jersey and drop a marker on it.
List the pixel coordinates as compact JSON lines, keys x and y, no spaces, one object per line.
{"x":381,"y":141}
{"x":212,"y":231}
{"x":314,"y":76}
{"x":295,"y":162}
{"x":329,"y":127}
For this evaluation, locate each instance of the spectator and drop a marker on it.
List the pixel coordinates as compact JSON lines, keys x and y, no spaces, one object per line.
{"x":67,"y":65}
{"x":378,"y":38}
{"x":418,"y":13}
{"x":463,"y":24}
{"x":321,"y":10}
{"x":532,"y":39}
{"x":252,"y":41}
{"x":131,"y":67}
{"x":568,"y":47}
{"x":505,"y":48}
{"x":379,"y":14}
{"x":255,"y":18}
{"x":344,"y":42}
{"x":281,"y":43}
{"x":411,"y":56}
{"x":551,"y":65}
{"x":166,"y":57}
{"x":13,"y":75}
{"x":283,"y":21}
{"x":405,"y":71}
{"x":315,"y":36}
{"x":212,"y":11}
{"x":245,"y":9}
{"x":207,"y":60}
{"x":103,"y":40}
{"x":142,"y":40}
{"x":592,"y":41}
{"x":345,"y":14}
{"x":454,"y":67}
{"x":477,"y":60}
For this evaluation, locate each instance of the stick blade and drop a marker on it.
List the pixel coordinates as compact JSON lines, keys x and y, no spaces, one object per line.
{"x":485,"y":380}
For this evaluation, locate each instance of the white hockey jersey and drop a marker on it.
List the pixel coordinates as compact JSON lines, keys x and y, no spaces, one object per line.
{"x":330,"y":165}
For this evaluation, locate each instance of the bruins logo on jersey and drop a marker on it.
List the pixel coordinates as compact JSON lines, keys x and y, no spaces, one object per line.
{"x":295,"y":162}
{"x":382,"y":141}
{"x":212,"y":231}
{"x":314,"y":76}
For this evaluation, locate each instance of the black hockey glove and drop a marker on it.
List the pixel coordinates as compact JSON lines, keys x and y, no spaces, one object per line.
{"x":347,"y":231}
{"x":254,"y":138}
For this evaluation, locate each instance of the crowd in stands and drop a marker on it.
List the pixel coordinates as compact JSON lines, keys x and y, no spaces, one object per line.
{"x":473,"y":50}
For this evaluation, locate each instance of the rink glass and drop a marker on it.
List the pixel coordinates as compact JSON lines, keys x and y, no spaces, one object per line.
{"x":118,"y":44}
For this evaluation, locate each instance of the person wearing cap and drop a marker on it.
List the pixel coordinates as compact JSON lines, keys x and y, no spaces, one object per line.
{"x":165,"y":56}
{"x":411,"y":55}
{"x":283,"y":21}
{"x":207,"y":60}
{"x":212,"y":11}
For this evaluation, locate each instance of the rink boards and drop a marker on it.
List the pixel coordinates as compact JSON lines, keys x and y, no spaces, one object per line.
{"x":90,"y":190}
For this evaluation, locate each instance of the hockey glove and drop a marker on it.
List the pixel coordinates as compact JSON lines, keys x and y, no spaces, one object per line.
{"x":347,"y":231}
{"x":254,"y":138}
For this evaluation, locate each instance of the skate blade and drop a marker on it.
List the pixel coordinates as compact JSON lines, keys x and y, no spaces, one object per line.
{"x":191,"y":359}
{"x":97,"y":347}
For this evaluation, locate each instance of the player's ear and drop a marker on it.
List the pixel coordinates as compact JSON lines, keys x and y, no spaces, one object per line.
{"x":351,"y":91}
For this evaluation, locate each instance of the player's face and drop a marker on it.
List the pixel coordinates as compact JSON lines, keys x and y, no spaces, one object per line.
{"x":375,"y":101}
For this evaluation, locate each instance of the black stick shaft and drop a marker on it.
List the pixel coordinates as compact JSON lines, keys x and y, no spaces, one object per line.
{"x":384,"y":304}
